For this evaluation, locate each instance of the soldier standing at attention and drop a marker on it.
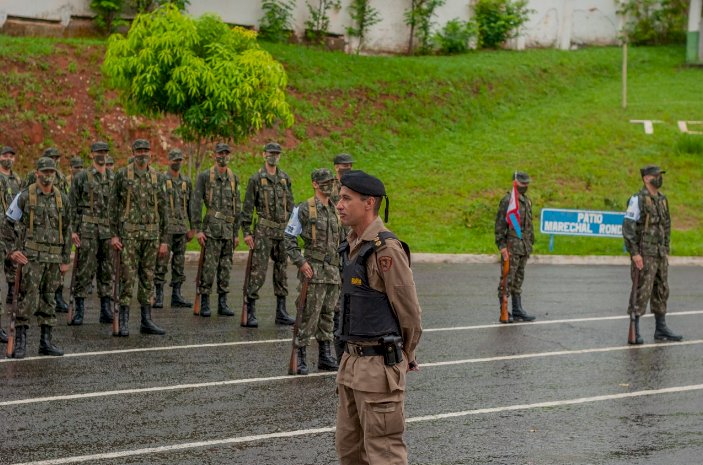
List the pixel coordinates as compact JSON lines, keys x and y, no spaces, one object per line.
{"x":342,"y":164}
{"x":218,"y":233}
{"x":317,"y":222}
{"x":269,"y":193}
{"x":10,"y":183}
{"x":514,"y":248}
{"x":90,"y":223}
{"x":381,"y":328}
{"x":179,"y":191}
{"x":138,"y":227}
{"x":109,"y":164}
{"x":38,"y":233}
{"x":76,"y":167}
{"x":647,"y":232}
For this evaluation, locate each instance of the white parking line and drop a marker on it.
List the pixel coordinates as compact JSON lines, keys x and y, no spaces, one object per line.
{"x":310,"y":432}
{"x":88,"y":395}
{"x":288,"y":340}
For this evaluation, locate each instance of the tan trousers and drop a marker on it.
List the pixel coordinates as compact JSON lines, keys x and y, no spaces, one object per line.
{"x":370,"y":427}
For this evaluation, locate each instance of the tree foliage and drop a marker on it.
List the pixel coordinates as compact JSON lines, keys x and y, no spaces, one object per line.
{"x":455,"y":36}
{"x":107,"y":14}
{"x":318,"y":25}
{"x":276,"y":24}
{"x":144,"y":6}
{"x":499,"y":20}
{"x":217,"y":79}
{"x":419,"y":18}
{"x":363,"y":16}
{"x":654,"y":22}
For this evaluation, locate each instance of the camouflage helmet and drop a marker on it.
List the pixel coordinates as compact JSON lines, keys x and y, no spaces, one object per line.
{"x":46,"y":163}
{"x":175,"y":154}
{"x":321,"y":175}
{"x":76,"y":162}
{"x":51,"y":152}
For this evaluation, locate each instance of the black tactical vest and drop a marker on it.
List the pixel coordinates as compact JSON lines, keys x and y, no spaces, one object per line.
{"x":366,"y":313}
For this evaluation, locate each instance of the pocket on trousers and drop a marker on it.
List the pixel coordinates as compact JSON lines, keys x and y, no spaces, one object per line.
{"x":384,"y":418}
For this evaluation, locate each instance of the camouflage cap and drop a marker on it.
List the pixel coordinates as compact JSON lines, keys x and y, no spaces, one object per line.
{"x":8,"y":149}
{"x":521,"y":176}
{"x":46,"y":163}
{"x":222,"y":147}
{"x":141,"y":144}
{"x":175,"y":154}
{"x":51,"y":152}
{"x":76,"y":162}
{"x":99,"y":146}
{"x":654,"y":170}
{"x":272,"y":147}
{"x":321,"y":175}
{"x":343,"y":158}
{"x":109,"y":160}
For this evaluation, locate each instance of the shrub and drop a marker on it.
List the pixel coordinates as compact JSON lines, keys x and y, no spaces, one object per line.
{"x":654,"y":22}
{"x":499,"y":20}
{"x":363,"y":16}
{"x":455,"y":36}
{"x":276,"y":23}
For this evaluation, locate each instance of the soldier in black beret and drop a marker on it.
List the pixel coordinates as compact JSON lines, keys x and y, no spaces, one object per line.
{"x":647,"y":232}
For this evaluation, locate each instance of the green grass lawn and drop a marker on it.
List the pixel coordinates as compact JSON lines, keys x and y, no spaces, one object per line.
{"x":445,"y":134}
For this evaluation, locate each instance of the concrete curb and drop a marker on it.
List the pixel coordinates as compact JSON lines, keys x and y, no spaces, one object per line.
{"x":241,"y":257}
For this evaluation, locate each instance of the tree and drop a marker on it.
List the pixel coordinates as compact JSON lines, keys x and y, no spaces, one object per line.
{"x":217,"y":79}
{"x":363,"y":16}
{"x":419,"y":18}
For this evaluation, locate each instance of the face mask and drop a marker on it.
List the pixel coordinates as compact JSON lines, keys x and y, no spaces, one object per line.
{"x":141,"y":159}
{"x":522,"y":189}
{"x":326,"y":188}
{"x":99,"y":160}
{"x":175,"y":166}
{"x":272,"y":160}
{"x":657,"y":182}
{"x":6,"y":163}
{"x":222,"y":161}
{"x":46,"y":180}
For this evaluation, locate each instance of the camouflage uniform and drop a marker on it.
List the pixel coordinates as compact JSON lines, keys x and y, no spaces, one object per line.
{"x":519,"y":249}
{"x":76,"y":167}
{"x":9,"y":188}
{"x":319,"y":226}
{"x":41,"y":230}
{"x":179,"y":193}
{"x":138,"y":218}
{"x":272,"y":198}
{"x":220,"y":194}
{"x":647,"y":232}
{"x":90,"y":219}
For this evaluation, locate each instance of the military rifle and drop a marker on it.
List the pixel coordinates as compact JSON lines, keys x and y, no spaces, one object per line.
{"x":198,"y":279}
{"x":505,"y":266}
{"x":247,"y":278}
{"x":299,"y":309}
{"x":632,"y":330}
{"x":117,"y":270}
{"x":12,"y":331}
{"x":71,"y":301}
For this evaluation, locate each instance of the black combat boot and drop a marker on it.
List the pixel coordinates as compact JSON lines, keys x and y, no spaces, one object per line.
{"x":222,"y":308}
{"x":105,"y":309}
{"x":302,"y":363}
{"x":10,"y":292}
{"x":159,"y":297}
{"x":251,"y":314}
{"x":124,"y":321}
{"x":46,"y":347}
{"x":204,"y":305}
{"x":3,"y":336}
{"x":662,"y":332}
{"x":638,"y":338}
{"x":148,"y":326}
{"x":282,"y":316}
{"x":325,"y":361}
{"x":518,"y":312}
{"x":78,"y":311}
{"x":20,"y":342}
{"x":61,"y":305}
{"x":177,"y":300}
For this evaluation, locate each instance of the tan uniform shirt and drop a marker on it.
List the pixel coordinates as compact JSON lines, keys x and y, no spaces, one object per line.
{"x":388,"y":271}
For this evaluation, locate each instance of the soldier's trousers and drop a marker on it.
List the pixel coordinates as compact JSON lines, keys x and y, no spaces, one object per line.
{"x":318,"y":315}
{"x":94,"y":259}
{"x":265,"y":248}
{"x":516,"y":275}
{"x":10,"y":270}
{"x":177,"y":246}
{"x":370,"y":427}
{"x":217,"y":261}
{"x":653,"y":285}
{"x":138,"y":262}
{"x":38,"y":293}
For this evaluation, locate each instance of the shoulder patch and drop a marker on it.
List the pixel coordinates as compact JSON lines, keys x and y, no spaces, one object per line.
{"x":633,"y":209}
{"x":294,"y":227}
{"x":14,"y":212}
{"x":385,"y":263}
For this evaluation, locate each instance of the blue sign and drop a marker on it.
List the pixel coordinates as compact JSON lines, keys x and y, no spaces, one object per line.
{"x":581,"y":222}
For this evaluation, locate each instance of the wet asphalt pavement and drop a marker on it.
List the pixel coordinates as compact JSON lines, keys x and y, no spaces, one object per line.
{"x":564,"y":390}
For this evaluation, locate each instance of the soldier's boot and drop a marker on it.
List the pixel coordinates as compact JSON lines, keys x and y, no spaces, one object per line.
{"x":662,"y":332}
{"x":61,"y":305}
{"x":302,"y":363}
{"x":204,"y":305}
{"x":105,"y":310}
{"x":46,"y":346}
{"x":252,"y":322}
{"x":518,"y":312}
{"x":78,"y":311}
{"x":159,"y":298}
{"x":282,"y":316}
{"x":177,"y":300}
{"x":10,"y":292}
{"x":124,"y":321}
{"x":3,"y":336}
{"x":500,"y":306}
{"x":222,"y":308}
{"x":20,"y":342}
{"x":325,"y":361}
{"x":638,"y":338}
{"x":148,"y":326}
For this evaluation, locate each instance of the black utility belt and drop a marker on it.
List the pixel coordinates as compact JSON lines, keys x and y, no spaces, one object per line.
{"x":390,"y":347}
{"x":364,"y":351}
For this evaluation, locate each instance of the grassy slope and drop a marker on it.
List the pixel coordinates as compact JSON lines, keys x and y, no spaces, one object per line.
{"x":446,"y":133}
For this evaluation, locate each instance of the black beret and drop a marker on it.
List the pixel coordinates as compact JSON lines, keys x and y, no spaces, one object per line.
{"x":363,"y":183}
{"x":651,"y":169}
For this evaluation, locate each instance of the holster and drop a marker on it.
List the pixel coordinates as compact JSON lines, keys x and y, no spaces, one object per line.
{"x":392,"y":349}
